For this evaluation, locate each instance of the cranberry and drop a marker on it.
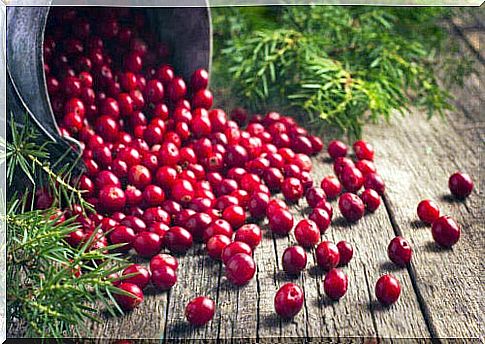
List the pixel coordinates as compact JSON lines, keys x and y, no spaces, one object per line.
{"x":225,"y":201}
{"x":156,"y":214}
{"x":249,"y":234}
{"x":218,"y":226}
{"x":147,"y":244}
{"x":321,"y":218}
{"x":387,"y":289}
{"x":140,"y":275}
{"x":216,"y":244}
{"x":153,"y":195}
{"x":446,"y":232}
{"x":240,"y":268}
{"x":351,"y":206}
{"x":112,"y":198}
{"x":351,"y":178}
{"x":163,"y":259}
{"x":182,"y":191}
{"x":107,"y":128}
{"x":131,"y":156}
{"x":363,"y":150}
{"x":164,"y":277}
{"x":335,"y":284}
{"x":374,"y":181}
{"x":106,"y":178}
{"x":288,"y":300}
{"x":200,"y":311}
{"x":428,"y":211}
{"x":399,"y":251}
{"x":122,"y":235}
{"x":273,"y":178}
{"x":340,"y":163}
{"x":345,"y":251}
{"x":75,"y":238}
{"x":129,"y":302}
{"x":73,"y":121}
{"x":371,"y":199}
{"x":274,"y":204}
{"x":292,"y":189}
{"x":236,"y":155}
{"x":203,"y":99}
{"x":177,"y":89}
{"x":134,"y":222}
{"x":258,"y":203}
{"x":337,"y":149}
{"x":328,"y":255}
{"x":234,"y":248}
{"x":197,"y":223}
{"x":200,"y":79}
{"x":307,"y":233}
{"x":365,"y":166}
{"x":317,"y":144}
{"x":460,"y":184}
{"x":303,"y":162}
{"x":169,"y":154}
{"x":178,"y":240}
{"x":294,"y":260}
{"x":331,"y":186}
{"x":314,"y":195}
{"x":181,"y":218}
{"x":250,"y":182}
{"x":139,"y":176}
{"x":280,"y":221}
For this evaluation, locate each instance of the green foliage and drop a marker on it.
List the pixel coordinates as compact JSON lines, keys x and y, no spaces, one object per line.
{"x":335,"y":65}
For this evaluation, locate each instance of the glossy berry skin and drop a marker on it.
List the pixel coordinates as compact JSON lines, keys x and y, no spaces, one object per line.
{"x":280,"y":221}
{"x":178,"y":240}
{"x":199,"y":79}
{"x":141,"y":276}
{"x":321,"y":218}
{"x":292,"y":189}
{"x":351,"y":178}
{"x":399,"y":251}
{"x":122,"y":234}
{"x":331,"y":186}
{"x":126,"y":302}
{"x":235,"y":215}
{"x":335,"y":284}
{"x":216,"y":244}
{"x":371,"y":199}
{"x":219,"y":226}
{"x":346,"y":252}
{"x":163,"y":259}
{"x":328,"y":255}
{"x":153,"y":195}
{"x":374,"y":181}
{"x":200,"y":311}
{"x":363,"y":150}
{"x":139,"y":176}
{"x":314,"y":195}
{"x":351,"y":207}
{"x":428,"y":211}
{"x":147,"y":244}
{"x":258,"y":204}
{"x":182,"y":191}
{"x":446,"y":231}
{"x":112,"y":198}
{"x":250,"y":234}
{"x":164,"y":277}
{"x":337,"y":149}
{"x":294,"y":260}
{"x":288,"y":300}
{"x":366,"y":167}
{"x":307,"y":233}
{"x":240,"y":268}
{"x":234,"y":248}
{"x":387,"y":289}
{"x":460,"y":184}
{"x":325,"y":205}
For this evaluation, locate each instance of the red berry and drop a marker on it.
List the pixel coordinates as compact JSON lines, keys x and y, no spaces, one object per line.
{"x":166,"y":177}
{"x":321,"y":218}
{"x":273,"y":178}
{"x":460,"y":184}
{"x":122,"y":235}
{"x":387,"y":289}
{"x":133,"y":222}
{"x":399,"y":251}
{"x":200,"y":311}
{"x":178,"y":240}
{"x":112,"y":198}
{"x":292,"y":189}
{"x":317,"y":144}
{"x":258,"y":203}
{"x":164,"y":277}
{"x":280,"y":221}
{"x":216,"y":244}
{"x":363,"y":150}
{"x":327,"y":255}
{"x":218,"y":226}
{"x":163,"y":259}
{"x":249,"y":234}
{"x":274,"y":204}
{"x":331,"y":186}
{"x":240,"y":268}
{"x":294,"y":260}
{"x":307,"y":233}
{"x":337,"y":149}
{"x":169,"y":154}
{"x":365,"y":166}
{"x":197,"y":224}
{"x":200,"y":79}
{"x":428,"y":211}
{"x":129,"y":302}
{"x":130,"y":155}
{"x":374,"y":181}
{"x":288,"y":300}
{"x":345,"y":251}
{"x":147,"y":244}
{"x":177,"y":89}
{"x":73,"y":121}
{"x":351,"y":178}
{"x":107,"y":127}
{"x":203,"y":99}
{"x":153,"y":195}
{"x":139,"y":176}
{"x":446,"y":231}
{"x":133,"y":62}
{"x":154,"y":91}
{"x":140,"y":275}
{"x":109,"y":107}
{"x":351,"y":206}
{"x":340,"y":163}
{"x":314,"y":195}
{"x":371,"y":199}
{"x":182,"y":191}
{"x":335,"y":284}
{"x":234,"y":248}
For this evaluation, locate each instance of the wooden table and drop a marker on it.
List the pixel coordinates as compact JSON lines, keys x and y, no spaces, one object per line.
{"x":441,"y":289}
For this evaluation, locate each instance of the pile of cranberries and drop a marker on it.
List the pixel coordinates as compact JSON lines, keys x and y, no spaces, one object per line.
{"x":164,"y":170}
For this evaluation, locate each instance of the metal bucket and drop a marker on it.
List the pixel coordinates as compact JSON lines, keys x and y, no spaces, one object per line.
{"x":187,"y":30}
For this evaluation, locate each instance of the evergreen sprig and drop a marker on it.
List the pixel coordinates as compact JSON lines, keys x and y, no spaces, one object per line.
{"x":335,"y":65}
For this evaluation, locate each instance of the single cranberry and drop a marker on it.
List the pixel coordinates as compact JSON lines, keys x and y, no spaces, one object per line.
{"x":153,"y":195}
{"x":75,"y":238}
{"x":387,"y":289}
{"x":177,"y":89}
{"x":292,"y":189}
{"x":236,"y":155}
{"x":250,"y":182}
{"x":399,"y":251}
{"x":216,"y":244}
{"x":156,"y":214}
{"x":73,"y":121}
{"x":118,"y":216}
{"x":182,"y":191}
{"x":234,"y":248}
{"x":303,"y":161}
{"x":86,"y":185}
{"x":242,"y":196}
{"x":249,"y":234}
{"x":345,"y":251}
{"x":178,"y":240}
{"x":154,"y":91}
{"x":130,"y":155}
{"x":133,"y":62}
{"x":199,"y":79}
{"x":280,"y":221}
{"x":317,"y":144}
{"x":134,"y":222}
{"x":200,"y":311}
{"x":119,"y":168}
{"x":314,"y":195}
{"x":371,"y":199}
{"x":139,"y":176}
{"x":294,"y":260}
{"x":122,"y":235}
{"x":351,"y":178}
{"x":363,"y":150}
{"x":166,"y":177}
{"x":340,"y":163}
{"x":273,"y":178}
{"x":112,"y":198}
{"x":203,"y":99}
{"x":307,"y":233}
{"x":181,"y":218}
{"x":102,"y":155}
{"x":351,"y":206}
{"x":165,"y":74}
{"x":129,"y":302}
{"x":164,"y":277}
{"x":106,"y":178}
{"x":331,"y":186}
{"x":460,"y":184}
{"x":226,"y":187}
{"x":335,"y":284}
{"x":289,"y":300}
{"x":140,"y":275}
{"x":197,"y":224}
{"x":109,"y":107}
{"x":218,"y":119}
{"x":365,"y":166}
{"x":374,"y":181}
{"x":337,"y":149}
{"x":301,"y":144}
{"x":258,"y":204}
{"x":71,"y":86}
{"x":446,"y":231}
{"x":428,"y":211}
{"x":147,"y":244}
{"x":225,"y":201}
{"x":321,"y":218}
{"x":240,"y":268}
{"x":163,"y":259}
{"x":274,"y":204}
{"x":328,"y":255}
{"x":235,"y":215}
{"x":169,"y":154}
